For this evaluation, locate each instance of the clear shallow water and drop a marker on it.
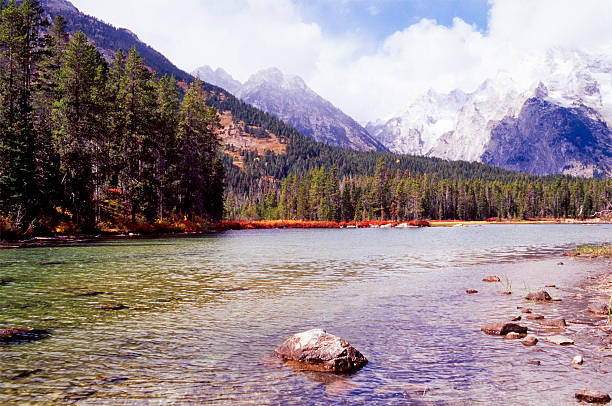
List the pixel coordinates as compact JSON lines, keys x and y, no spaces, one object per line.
{"x":205,"y":315}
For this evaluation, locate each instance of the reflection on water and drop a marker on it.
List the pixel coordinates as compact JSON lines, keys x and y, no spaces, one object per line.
{"x":205,"y":314}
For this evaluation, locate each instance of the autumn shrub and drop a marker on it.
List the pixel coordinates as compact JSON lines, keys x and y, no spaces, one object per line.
{"x":8,"y":230}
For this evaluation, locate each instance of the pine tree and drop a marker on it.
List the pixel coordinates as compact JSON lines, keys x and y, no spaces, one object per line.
{"x":21,"y":49}
{"x":197,"y":153}
{"x":79,"y":123}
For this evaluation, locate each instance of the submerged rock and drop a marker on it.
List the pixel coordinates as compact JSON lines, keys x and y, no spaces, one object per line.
{"x":492,"y":278}
{"x":503,"y":328}
{"x":535,"y":317}
{"x":526,"y":311}
{"x":6,"y":281}
{"x":534,"y":362}
{"x":22,"y":334}
{"x":556,"y":323}
{"x":530,"y":341}
{"x":471,"y":291}
{"x":322,"y":351}
{"x":541,"y":296}
{"x":112,"y":306}
{"x":26,"y":374}
{"x":592,"y":396}
{"x":90,"y":293}
{"x":560,"y":340}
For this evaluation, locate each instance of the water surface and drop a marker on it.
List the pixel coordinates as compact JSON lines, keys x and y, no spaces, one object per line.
{"x":205,"y":315}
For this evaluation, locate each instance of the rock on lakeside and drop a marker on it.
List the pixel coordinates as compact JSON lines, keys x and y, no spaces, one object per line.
{"x":530,"y":341}
{"x":601,"y":309}
{"x":503,"y":328}
{"x":560,"y":340}
{"x":592,"y":396}
{"x":322,"y":351}
{"x":541,"y":296}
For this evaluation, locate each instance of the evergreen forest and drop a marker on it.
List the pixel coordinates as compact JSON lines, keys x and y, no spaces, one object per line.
{"x":85,"y":143}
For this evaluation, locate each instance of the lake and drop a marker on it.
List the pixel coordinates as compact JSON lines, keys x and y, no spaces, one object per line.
{"x":205,"y":315}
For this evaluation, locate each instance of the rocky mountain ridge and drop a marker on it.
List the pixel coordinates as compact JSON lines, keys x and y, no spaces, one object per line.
{"x":290,"y":99}
{"x":558,"y":124}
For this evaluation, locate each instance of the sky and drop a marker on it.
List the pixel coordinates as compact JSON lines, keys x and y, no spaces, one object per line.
{"x":371,"y":58}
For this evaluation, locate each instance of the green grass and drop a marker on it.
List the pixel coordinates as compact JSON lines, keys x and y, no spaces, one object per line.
{"x":595,"y":251}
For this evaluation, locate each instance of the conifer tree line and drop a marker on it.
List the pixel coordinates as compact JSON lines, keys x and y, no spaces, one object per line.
{"x":402,"y":195}
{"x":88,"y":141}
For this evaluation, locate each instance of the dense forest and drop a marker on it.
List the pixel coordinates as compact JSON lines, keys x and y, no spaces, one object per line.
{"x":84,"y":143}
{"x":402,"y":194}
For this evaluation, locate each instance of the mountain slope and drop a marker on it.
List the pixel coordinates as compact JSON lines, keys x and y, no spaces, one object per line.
{"x":547,"y":138}
{"x":244,"y":127}
{"x":291,"y":100}
{"x":566,"y":131}
{"x":109,"y":39}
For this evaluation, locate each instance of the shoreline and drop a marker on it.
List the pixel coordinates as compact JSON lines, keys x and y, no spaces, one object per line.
{"x":230,"y":225}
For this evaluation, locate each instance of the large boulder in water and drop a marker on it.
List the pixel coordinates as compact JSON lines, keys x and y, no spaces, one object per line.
{"x":10,"y":335}
{"x":322,"y":351}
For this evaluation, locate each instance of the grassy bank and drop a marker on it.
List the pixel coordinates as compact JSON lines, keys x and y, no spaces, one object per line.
{"x":602,"y":251}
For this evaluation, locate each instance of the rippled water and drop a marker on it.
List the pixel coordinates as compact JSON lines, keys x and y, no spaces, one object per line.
{"x":205,"y":315}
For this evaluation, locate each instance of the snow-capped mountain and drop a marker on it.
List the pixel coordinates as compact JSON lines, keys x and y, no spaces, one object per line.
{"x":559,"y":123}
{"x":291,"y":100}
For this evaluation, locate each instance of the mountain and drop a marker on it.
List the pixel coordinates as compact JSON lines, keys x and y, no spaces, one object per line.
{"x":291,"y":100}
{"x":243,"y":126}
{"x":219,"y":78}
{"x":109,"y":39}
{"x":559,"y":124}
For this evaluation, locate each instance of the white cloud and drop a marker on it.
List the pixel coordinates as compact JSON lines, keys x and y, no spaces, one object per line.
{"x":366,"y":80}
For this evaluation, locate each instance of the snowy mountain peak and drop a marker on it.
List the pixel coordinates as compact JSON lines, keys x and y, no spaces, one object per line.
{"x":218,"y":77}
{"x":570,"y":85}
{"x":275,"y":77}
